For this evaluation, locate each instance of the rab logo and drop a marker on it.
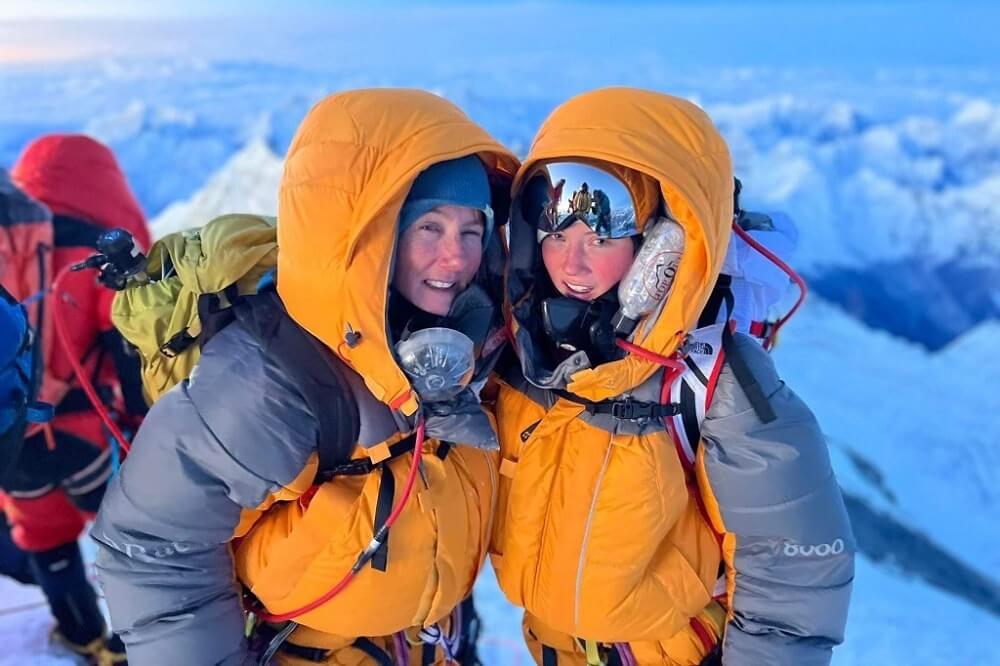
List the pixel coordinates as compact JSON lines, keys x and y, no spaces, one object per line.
{"x":822,"y":550}
{"x":526,"y":434}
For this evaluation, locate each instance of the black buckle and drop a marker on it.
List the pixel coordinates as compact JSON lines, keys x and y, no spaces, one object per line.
{"x":176,"y":345}
{"x":356,"y":467}
{"x":631,"y":410}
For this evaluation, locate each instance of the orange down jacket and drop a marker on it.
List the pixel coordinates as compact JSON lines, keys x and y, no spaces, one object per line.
{"x":599,"y":535}
{"x":232,"y":452}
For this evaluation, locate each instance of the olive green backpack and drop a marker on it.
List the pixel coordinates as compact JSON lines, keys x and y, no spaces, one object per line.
{"x":199,"y":281}
{"x":192,"y":274}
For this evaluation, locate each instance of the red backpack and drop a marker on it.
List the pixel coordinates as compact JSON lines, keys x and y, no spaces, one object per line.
{"x":83,"y":192}
{"x":26,"y":241}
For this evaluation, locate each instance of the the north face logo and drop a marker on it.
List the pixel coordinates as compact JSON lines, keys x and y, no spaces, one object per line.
{"x":701,"y":348}
{"x":821,"y":550}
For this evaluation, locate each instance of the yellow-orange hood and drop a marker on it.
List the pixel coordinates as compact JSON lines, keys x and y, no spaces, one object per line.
{"x":347,"y":173}
{"x":674,"y":144}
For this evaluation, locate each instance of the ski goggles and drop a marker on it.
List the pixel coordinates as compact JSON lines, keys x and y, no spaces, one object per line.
{"x":578,"y":192}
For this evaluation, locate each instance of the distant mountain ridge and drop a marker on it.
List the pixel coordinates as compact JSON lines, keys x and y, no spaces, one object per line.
{"x":898,"y":218}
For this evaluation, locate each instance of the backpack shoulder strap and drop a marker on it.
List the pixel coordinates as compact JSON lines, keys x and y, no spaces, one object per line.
{"x":722,"y":296}
{"x":745,"y":377}
{"x":316,"y":372}
{"x":71,"y":231}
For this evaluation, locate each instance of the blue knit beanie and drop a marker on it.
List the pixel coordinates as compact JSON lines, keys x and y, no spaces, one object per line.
{"x":458,"y":182}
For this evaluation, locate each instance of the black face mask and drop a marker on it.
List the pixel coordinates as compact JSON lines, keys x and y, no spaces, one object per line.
{"x":574,"y":325}
{"x":405,"y":318}
{"x":474,"y":314}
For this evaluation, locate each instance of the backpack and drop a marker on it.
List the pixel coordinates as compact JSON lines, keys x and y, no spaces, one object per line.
{"x":19,"y":364}
{"x":26,"y":242}
{"x":197,"y":282}
{"x":30,"y":236}
{"x":754,"y":278}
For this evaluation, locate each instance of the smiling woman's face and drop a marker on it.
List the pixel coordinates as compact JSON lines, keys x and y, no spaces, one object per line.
{"x":437,"y":257}
{"x":583,"y":265}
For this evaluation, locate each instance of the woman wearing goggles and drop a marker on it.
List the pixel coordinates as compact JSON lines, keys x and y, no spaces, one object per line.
{"x":653,"y":507}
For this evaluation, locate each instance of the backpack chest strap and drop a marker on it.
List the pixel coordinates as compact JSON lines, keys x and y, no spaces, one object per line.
{"x":625,"y":409}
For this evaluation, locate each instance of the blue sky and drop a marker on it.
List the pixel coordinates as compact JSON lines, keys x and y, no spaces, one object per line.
{"x":820,"y":33}
{"x":12,"y":9}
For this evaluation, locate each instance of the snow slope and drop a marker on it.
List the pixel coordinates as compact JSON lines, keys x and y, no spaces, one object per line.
{"x":922,"y":419}
{"x":247,"y":182}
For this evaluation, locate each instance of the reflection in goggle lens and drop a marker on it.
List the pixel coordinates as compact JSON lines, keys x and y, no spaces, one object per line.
{"x":582,"y":193}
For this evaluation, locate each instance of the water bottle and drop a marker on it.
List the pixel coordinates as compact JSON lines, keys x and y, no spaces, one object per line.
{"x":439,"y":362}
{"x":652,"y":275}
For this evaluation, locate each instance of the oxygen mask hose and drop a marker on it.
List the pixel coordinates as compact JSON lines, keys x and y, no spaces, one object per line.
{"x":119,"y":261}
{"x":792,"y":275}
{"x":666,"y":361}
{"x":377,"y":539}
{"x":61,"y":299}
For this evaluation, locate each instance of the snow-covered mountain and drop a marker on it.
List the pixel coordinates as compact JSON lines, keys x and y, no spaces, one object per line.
{"x":913,"y":439}
{"x":247,"y":183}
{"x":898,"y":219}
{"x":894,"y":202}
